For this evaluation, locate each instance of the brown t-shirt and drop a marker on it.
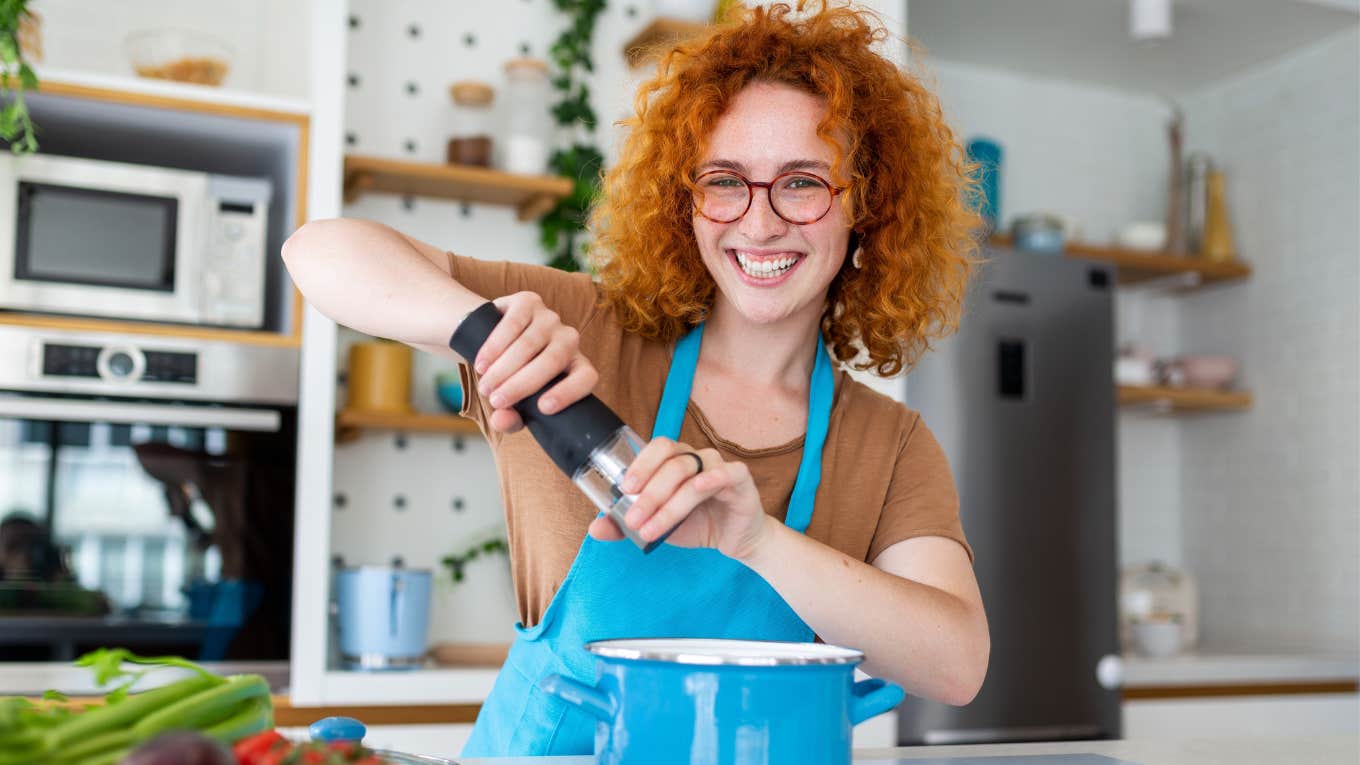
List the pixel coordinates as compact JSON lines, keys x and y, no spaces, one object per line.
{"x":884,"y":476}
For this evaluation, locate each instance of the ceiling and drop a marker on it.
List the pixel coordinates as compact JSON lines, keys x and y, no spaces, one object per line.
{"x":1088,"y":40}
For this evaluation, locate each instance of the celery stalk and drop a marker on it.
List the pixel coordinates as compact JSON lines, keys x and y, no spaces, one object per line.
{"x":126,"y":712}
{"x":251,"y":717}
{"x":120,"y":738}
{"x":204,"y":708}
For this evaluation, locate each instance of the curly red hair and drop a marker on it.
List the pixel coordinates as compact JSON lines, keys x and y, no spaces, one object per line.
{"x":908,"y":184}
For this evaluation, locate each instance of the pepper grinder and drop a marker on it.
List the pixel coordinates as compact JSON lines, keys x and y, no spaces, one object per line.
{"x":586,"y":440}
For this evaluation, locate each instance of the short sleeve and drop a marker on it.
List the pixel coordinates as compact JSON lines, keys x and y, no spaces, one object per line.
{"x":921,"y":500}
{"x":572,"y":295}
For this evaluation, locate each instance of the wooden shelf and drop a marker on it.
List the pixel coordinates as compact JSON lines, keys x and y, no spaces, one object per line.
{"x":530,"y":195}
{"x":648,"y":43}
{"x":348,"y":423}
{"x":1135,"y":266}
{"x":1183,"y":399}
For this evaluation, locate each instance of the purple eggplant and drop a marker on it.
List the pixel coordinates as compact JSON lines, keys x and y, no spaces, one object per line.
{"x":181,"y":747}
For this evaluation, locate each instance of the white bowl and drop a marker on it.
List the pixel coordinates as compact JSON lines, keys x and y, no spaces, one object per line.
{"x":1156,"y":639}
{"x":1144,"y":235}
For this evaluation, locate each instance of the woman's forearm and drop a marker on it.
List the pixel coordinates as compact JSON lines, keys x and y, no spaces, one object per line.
{"x":923,"y":638}
{"x":369,"y":277}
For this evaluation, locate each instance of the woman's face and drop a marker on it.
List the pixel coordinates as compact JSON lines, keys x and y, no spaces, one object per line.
{"x":765,"y":267}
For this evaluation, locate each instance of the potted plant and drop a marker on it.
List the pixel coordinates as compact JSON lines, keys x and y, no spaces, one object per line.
{"x":17,"y":38}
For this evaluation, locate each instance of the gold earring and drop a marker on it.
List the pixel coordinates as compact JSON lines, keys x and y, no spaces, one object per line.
{"x":855,"y":259}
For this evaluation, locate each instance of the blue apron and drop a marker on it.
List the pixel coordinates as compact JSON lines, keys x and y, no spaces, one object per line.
{"x":614,"y":591}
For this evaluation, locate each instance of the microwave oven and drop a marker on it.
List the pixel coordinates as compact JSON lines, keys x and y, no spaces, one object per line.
{"x":89,"y":237}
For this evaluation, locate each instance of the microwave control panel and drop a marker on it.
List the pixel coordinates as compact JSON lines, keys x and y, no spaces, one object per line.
{"x":122,"y":363}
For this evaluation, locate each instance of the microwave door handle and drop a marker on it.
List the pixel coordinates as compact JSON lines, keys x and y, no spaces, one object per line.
{"x":135,"y":413}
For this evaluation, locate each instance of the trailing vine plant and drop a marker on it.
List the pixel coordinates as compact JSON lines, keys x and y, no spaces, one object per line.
{"x":456,"y":563}
{"x":16,"y":76}
{"x":562,"y":229}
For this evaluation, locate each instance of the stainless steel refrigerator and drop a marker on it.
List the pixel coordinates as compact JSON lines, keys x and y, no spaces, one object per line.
{"x":1022,"y":400}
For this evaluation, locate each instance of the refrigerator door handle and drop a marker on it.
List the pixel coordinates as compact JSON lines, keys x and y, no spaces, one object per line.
{"x":1110,"y":672}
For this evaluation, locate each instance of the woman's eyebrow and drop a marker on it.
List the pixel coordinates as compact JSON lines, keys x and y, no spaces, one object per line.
{"x":793,"y":164}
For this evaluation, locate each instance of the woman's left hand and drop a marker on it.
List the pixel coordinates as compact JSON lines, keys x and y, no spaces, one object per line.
{"x":718,"y":507}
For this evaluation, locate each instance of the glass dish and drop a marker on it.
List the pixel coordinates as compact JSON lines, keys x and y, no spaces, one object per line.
{"x":179,"y":55}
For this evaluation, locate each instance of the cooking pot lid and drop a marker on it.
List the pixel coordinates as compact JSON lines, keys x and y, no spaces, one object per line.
{"x":709,"y":652}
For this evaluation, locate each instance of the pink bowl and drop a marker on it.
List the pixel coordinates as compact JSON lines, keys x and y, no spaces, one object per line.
{"x":1208,"y":371}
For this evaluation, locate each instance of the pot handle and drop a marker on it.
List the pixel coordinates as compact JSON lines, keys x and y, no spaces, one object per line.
{"x":873,"y":697}
{"x":588,"y":698}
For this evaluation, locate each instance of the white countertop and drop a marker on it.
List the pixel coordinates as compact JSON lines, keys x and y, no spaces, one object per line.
{"x":1336,"y":750}
{"x":1237,"y":668}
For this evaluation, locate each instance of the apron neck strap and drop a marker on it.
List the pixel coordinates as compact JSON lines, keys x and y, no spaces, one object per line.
{"x":675,"y":399}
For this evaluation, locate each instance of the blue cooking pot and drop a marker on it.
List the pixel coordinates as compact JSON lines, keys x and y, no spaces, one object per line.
{"x":724,"y":702}
{"x":384,"y":616}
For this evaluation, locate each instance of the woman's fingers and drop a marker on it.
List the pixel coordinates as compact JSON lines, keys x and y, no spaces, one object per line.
{"x":505,"y":420}
{"x":579,"y":382}
{"x":662,"y":484}
{"x":528,"y":375}
{"x":691,"y":493}
{"x":653,"y":453}
{"x":517,"y":312}
{"x":603,"y":529}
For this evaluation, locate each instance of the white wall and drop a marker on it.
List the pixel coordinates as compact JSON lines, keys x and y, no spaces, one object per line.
{"x":1271,"y":498}
{"x":1099,"y":156}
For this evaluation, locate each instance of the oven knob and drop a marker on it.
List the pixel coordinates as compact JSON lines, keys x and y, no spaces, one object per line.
{"x":233,"y":231}
{"x":121,"y":364}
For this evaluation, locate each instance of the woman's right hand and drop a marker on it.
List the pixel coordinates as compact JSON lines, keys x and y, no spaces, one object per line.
{"x":527,"y":349}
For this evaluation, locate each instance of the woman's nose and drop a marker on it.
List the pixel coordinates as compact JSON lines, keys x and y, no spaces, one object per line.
{"x":761,"y":223}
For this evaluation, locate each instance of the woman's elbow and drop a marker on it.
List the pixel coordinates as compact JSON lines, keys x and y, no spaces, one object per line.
{"x":307,"y":239}
{"x":965,"y":683}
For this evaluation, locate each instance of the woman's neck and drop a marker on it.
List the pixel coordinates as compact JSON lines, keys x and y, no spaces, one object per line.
{"x":779,"y":354}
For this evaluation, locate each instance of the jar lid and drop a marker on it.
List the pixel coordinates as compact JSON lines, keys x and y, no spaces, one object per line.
{"x":469,"y":93}
{"x":527,"y":65}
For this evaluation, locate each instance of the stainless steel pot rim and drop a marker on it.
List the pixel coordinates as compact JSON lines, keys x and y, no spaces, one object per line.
{"x":715,"y":652}
{"x":402,"y":758}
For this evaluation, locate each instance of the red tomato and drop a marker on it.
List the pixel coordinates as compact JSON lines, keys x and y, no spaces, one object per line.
{"x":249,"y":750}
{"x":276,"y":756}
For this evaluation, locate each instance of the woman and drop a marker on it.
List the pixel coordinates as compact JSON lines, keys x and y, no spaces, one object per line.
{"x":784,"y":197}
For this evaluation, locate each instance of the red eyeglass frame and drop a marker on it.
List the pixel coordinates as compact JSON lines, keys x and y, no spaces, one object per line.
{"x":751,"y":187}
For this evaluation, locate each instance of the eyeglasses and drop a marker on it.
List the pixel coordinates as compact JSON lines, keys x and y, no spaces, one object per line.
{"x":724,"y":196}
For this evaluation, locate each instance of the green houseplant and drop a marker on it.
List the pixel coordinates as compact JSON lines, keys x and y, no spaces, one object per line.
{"x":16,"y":126}
{"x":562,"y":229}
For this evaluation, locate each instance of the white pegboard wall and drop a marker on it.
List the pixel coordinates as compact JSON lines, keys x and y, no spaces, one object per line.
{"x":395,"y":493}
{"x":420,"y":497}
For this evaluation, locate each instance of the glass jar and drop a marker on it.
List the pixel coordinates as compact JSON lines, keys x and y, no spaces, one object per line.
{"x":528,"y":121}
{"x":470,"y":142}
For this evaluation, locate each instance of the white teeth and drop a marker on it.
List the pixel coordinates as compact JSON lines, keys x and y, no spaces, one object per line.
{"x":765,"y":269}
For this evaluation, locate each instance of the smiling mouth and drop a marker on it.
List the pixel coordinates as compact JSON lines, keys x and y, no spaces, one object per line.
{"x":770,"y":267}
